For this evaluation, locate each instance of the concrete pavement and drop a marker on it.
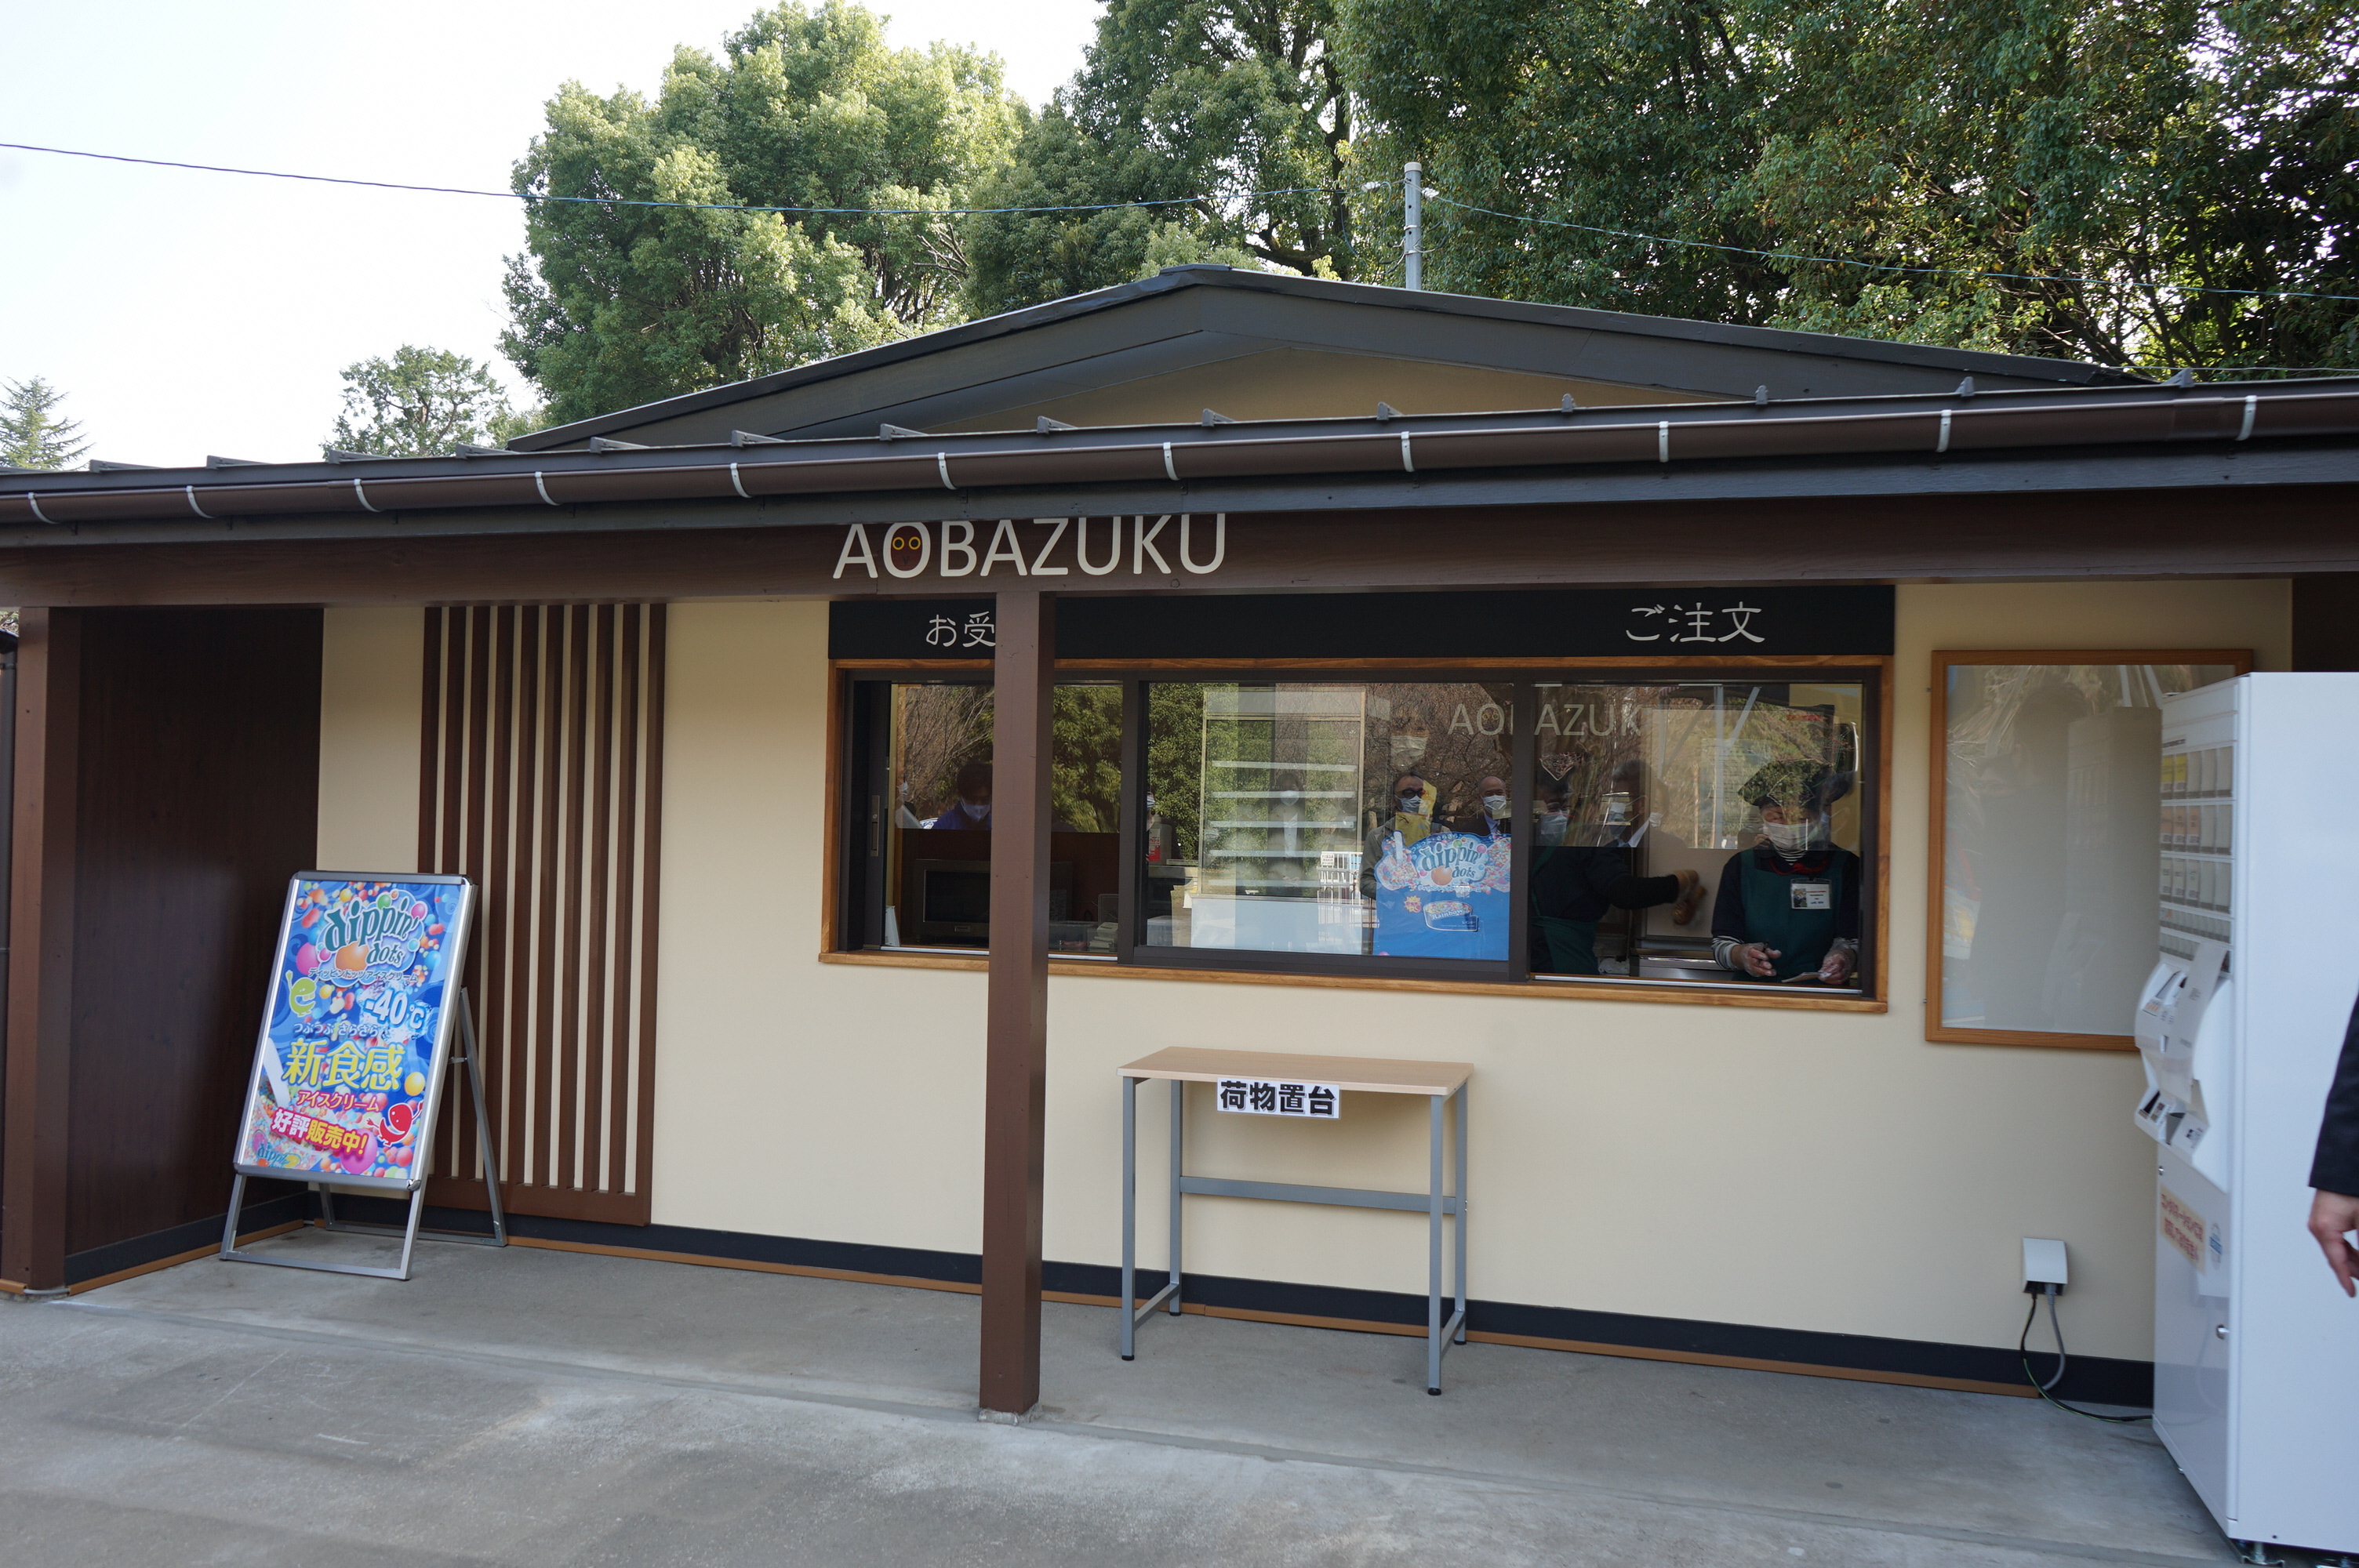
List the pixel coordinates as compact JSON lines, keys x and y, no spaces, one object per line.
{"x":535,"y":1407}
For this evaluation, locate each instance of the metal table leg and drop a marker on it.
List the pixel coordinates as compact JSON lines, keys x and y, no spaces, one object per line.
{"x":1433,"y":1251}
{"x":1129,"y":1215}
{"x":1179,"y":1093}
{"x":1133,"y":1313}
{"x":1462,"y":1214}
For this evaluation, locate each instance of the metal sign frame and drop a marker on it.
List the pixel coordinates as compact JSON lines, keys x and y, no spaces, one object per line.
{"x":456,"y":1018}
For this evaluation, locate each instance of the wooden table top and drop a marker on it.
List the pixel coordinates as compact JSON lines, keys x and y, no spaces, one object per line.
{"x":1366,"y":1075}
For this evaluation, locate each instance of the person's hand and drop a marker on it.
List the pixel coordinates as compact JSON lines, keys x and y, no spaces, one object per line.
{"x":1683,"y":908}
{"x":1837,"y":967}
{"x":2333,"y":1215}
{"x":1758,"y":958}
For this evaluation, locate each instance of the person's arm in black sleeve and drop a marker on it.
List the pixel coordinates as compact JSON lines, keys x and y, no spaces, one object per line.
{"x":1844,"y":953}
{"x":2335,"y":1168}
{"x":1728,"y":913}
{"x":2334,"y":1171}
{"x":1608,"y":874}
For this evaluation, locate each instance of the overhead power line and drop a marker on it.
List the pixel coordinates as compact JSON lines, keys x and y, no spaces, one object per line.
{"x":530,"y":196}
{"x":533,"y":197}
{"x":1865,"y":265}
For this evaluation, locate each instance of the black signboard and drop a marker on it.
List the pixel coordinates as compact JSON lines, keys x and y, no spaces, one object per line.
{"x":1510,"y":623}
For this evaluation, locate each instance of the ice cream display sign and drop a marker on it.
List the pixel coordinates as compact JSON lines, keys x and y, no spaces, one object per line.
{"x":1445,"y":896}
{"x":356,"y":1031}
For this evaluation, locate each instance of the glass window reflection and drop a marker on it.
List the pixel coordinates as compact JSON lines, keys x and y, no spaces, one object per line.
{"x":1329,"y":817}
{"x":2050,"y":821}
{"x":938,"y":843}
{"x":1705,"y":831}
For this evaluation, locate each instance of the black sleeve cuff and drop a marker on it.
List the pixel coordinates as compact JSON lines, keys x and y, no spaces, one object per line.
{"x":2335,"y":1168}
{"x":1642,"y":892}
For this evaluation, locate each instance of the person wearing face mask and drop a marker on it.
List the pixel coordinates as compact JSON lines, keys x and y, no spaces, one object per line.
{"x":1491,"y":821}
{"x":1574,"y":885}
{"x":1787,"y":910}
{"x":1412,"y":818}
{"x":972,"y":809}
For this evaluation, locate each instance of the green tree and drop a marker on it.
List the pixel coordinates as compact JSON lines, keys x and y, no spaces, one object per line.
{"x":2159,"y":149}
{"x":31,"y":434}
{"x":420,"y":402}
{"x":1198,"y":106}
{"x":617,"y":305}
{"x":1085,"y":758}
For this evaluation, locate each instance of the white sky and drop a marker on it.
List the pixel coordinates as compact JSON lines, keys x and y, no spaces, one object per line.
{"x":186,"y":314}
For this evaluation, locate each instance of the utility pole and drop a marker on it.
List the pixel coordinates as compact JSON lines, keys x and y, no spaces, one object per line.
{"x":1413,"y":226}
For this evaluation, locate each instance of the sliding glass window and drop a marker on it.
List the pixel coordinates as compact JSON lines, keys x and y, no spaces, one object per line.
{"x":1329,"y":817}
{"x":1695,"y":828}
{"x":923,"y":869}
{"x":1706,"y":831}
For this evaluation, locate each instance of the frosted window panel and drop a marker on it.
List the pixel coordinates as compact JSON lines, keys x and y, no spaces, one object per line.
{"x":2051,"y":827}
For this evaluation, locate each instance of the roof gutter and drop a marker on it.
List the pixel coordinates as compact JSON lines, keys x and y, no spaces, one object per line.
{"x":1929,"y":432}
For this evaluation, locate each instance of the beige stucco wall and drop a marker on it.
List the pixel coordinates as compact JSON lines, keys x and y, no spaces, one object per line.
{"x":1819,"y":1171}
{"x":369,"y":696}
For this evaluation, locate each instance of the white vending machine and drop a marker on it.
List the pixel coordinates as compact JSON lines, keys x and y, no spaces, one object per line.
{"x":2255,"y":1347}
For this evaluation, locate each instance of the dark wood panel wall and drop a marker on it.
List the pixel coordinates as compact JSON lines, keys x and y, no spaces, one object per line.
{"x":541,"y":779}
{"x":167,"y":787}
{"x":47,"y":725}
{"x":2326,"y":622}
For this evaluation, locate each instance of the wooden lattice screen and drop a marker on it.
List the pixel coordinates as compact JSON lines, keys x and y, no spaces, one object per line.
{"x":541,"y":778}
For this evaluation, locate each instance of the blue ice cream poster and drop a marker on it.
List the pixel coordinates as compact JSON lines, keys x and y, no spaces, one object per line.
{"x":1445,"y":896}
{"x":357,"y":1029}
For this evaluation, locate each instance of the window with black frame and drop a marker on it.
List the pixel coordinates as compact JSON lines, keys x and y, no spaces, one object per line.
{"x":1703,"y":829}
{"x":923,"y":868}
{"x":1689,"y":829}
{"x":1329,"y":817}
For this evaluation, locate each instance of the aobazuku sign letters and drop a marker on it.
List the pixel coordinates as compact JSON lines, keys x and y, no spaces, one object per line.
{"x":1100,"y":546}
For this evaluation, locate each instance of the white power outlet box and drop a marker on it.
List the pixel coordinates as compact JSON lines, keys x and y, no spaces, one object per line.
{"x":2043,"y":1265}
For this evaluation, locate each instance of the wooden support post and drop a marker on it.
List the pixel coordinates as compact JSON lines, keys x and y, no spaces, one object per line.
{"x":40,"y":957}
{"x":2326,"y":621}
{"x":1016,"y":1027}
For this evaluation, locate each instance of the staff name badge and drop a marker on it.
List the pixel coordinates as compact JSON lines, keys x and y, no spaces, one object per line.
{"x":1271,"y":1096}
{"x":1810,"y":895}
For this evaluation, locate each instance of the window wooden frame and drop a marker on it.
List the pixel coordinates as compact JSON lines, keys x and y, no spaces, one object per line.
{"x":1938,"y":820}
{"x":1874,"y":671}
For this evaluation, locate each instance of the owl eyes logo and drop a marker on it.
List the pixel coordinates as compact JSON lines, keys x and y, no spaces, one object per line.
{"x":908,"y":548}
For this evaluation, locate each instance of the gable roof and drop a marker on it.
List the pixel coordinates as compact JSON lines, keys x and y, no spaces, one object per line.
{"x":1187,"y":329}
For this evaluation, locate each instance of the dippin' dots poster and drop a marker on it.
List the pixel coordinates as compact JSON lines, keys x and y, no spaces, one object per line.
{"x":347,"y":1056}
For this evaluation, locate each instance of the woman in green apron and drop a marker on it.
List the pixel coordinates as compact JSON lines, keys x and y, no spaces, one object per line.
{"x":1788,"y":911}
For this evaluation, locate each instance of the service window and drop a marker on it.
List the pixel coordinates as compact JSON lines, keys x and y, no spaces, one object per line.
{"x":925,"y":868}
{"x":1707,"y":831}
{"x":2044,"y":840}
{"x":1690,"y":828}
{"x":1339,"y":818}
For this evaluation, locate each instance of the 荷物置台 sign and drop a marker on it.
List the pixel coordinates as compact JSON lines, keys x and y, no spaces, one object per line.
{"x":357,"y":1029}
{"x":1269,"y":1097}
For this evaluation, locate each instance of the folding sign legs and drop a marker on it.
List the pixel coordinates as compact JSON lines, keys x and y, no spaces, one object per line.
{"x":409,"y":1232}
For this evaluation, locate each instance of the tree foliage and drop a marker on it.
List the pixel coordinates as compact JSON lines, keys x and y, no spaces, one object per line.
{"x":421,"y":402}
{"x":1198,"y":106}
{"x":31,"y":434}
{"x":2161,"y":149}
{"x":618,"y":305}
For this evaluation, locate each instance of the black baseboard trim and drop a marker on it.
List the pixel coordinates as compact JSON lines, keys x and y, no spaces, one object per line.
{"x":2092,"y":1378}
{"x":138,"y":1251}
